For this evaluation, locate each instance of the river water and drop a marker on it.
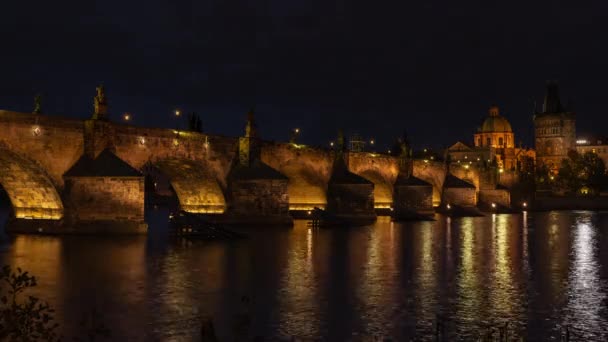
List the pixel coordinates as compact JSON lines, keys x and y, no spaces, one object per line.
{"x":538,"y":272}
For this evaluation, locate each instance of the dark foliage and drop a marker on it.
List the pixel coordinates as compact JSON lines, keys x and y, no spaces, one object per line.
{"x":23,"y":320}
{"x":579,"y":171}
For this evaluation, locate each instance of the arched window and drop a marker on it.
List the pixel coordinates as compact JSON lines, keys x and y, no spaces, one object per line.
{"x":500,"y":141}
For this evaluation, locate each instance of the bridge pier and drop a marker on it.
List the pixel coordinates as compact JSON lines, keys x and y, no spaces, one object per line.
{"x":103,"y":195}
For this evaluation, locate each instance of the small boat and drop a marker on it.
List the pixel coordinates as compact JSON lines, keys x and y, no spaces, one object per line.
{"x":320,"y":218}
{"x":196,"y":226}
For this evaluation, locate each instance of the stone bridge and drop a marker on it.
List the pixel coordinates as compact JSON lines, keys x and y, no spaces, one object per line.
{"x":36,"y":151}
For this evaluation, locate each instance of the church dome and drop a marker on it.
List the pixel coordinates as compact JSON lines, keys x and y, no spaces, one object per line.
{"x":495,"y":122}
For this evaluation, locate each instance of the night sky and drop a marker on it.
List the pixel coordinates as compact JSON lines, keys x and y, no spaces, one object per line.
{"x":372,"y":67}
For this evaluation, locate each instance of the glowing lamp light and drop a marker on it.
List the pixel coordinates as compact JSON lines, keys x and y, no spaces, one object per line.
{"x":177,"y":112}
{"x":493,"y":205}
{"x":371,"y":141}
{"x":309,"y":212}
{"x":142,"y":141}
{"x":297,"y":130}
{"x":426,"y":160}
{"x":466,"y":167}
{"x":36,"y":131}
{"x":501,"y":170}
{"x":448,"y":206}
{"x":127,"y":117}
{"x":524,"y":204}
{"x":331,"y":143}
{"x":552,"y":178}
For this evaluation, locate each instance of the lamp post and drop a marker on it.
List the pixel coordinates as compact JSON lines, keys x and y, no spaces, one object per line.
{"x":177,"y":113}
{"x":127,"y":117}
{"x":294,"y":135}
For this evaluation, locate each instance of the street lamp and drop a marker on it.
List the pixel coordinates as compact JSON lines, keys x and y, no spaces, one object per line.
{"x":177,"y":113}
{"x":127,"y":116}
{"x":294,"y":135}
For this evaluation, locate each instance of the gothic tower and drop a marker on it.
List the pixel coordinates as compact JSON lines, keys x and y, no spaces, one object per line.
{"x":554,"y":130}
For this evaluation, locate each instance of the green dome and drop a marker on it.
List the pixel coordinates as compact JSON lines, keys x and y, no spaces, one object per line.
{"x":495,"y":123}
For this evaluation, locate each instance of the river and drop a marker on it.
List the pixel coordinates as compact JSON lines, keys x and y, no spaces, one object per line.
{"x":538,"y":272}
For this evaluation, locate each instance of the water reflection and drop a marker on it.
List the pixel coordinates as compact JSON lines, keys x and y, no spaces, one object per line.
{"x":537,"y":271}
{"x":587,"y":294}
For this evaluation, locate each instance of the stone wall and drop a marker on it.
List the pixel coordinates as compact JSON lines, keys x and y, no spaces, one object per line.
{"x":499,"y":196}
{"x":413,"y":198}
{"x":466,"y":197}
{"x":104,"y":198}
{"x":53,"y":143}
{"x":351,"y":199}
{"x":259,"y":197}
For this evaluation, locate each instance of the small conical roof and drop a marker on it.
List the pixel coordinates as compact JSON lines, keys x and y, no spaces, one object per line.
{"x":107,"y":164}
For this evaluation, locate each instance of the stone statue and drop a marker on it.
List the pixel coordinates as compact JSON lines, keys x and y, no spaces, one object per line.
{"x":251,"y":128}
{"x":100,"y":104}
{"x":38,"y":104}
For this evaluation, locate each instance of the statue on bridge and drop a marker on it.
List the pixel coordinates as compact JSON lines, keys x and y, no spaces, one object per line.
{"x":37,"y":104}
{"x":100,"y":104}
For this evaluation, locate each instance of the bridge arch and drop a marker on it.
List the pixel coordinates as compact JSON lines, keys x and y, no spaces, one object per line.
{"x":30,"y":190}
{"x":307,"y":187}
{"x":383,"y":188}
{"x":432,"y":172}
{"x":196,"y":188}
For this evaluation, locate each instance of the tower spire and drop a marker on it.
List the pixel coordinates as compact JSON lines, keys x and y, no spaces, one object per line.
{"x":552,"y":103}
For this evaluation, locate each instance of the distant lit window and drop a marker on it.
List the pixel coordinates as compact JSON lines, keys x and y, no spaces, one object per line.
{"x":500,"y":141}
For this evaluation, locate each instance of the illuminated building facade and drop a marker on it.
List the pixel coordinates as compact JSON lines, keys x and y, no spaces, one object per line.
{"x":595,"y":145}
{"x":494,"y":141}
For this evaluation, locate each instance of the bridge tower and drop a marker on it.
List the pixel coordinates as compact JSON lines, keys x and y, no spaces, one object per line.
{"x":554,"y":130}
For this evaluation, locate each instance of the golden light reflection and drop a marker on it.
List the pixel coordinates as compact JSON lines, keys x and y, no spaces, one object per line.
{"x":298,"y":303}
{"x":503,"y":285}
{"x":468,"y":281}
{"x":375,"y":290}
{"x":586,"y":298}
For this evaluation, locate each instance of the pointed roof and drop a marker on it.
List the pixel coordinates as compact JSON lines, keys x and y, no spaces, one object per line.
{"x":341,"y":175}
{"x":552,"y":102}
{"x":452,"y":181}
{"x":107,"y":164}
{"x":460,"y":146}
{"x":255,"y":170}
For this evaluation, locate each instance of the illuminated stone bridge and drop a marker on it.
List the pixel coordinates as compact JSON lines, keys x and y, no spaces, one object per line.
{"x":43,"y":165}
